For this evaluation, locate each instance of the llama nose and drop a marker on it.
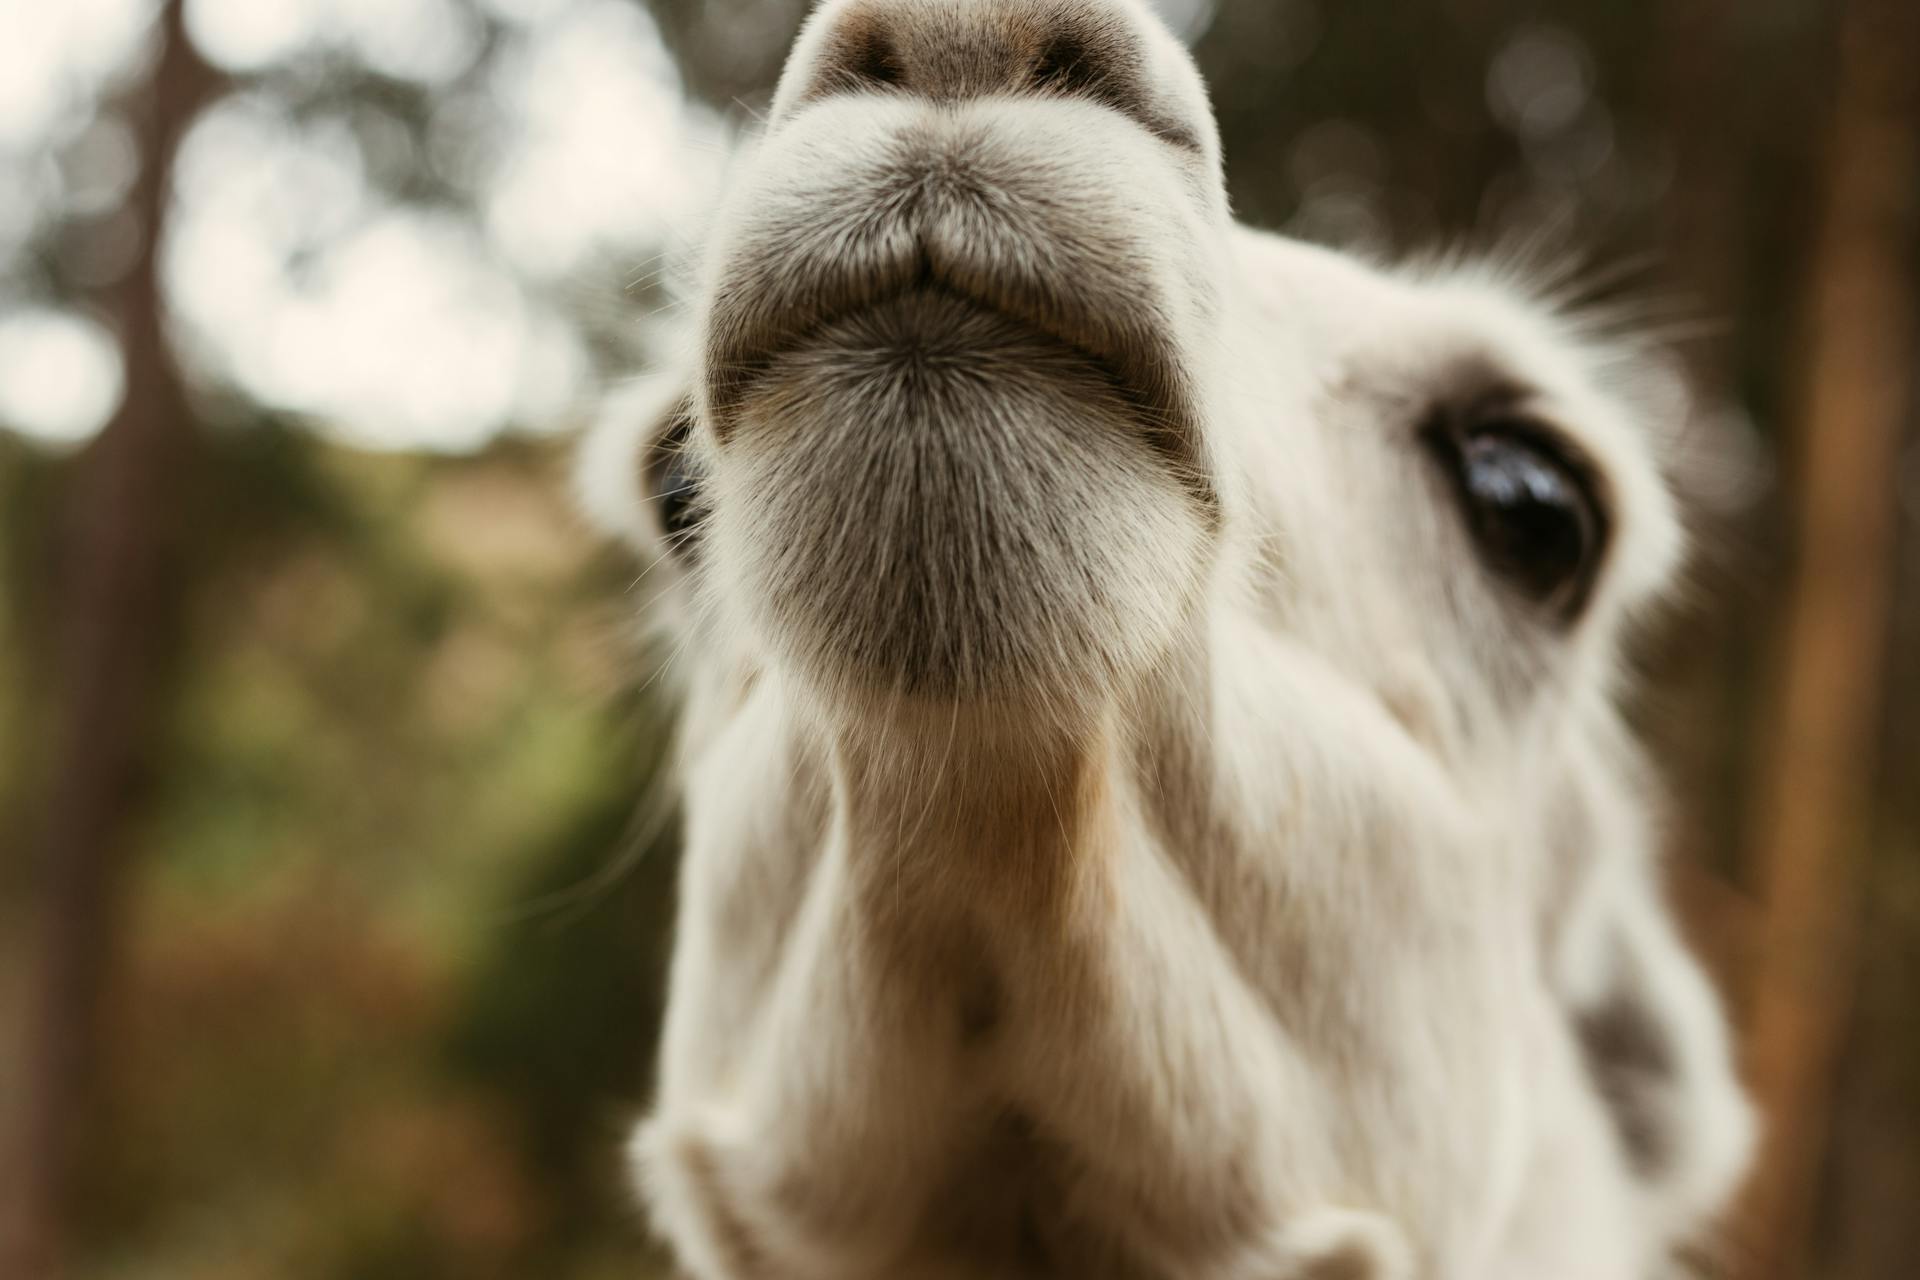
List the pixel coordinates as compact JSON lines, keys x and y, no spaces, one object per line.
{"x":953,"y":50}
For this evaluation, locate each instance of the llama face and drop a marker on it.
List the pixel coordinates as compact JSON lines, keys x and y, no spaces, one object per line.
{"x":1152,"y":782}
{"x":993,"y":405}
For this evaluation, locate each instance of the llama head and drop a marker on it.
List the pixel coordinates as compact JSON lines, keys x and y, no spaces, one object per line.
{"x":1095,"y":609}
{"x":993,"y":409}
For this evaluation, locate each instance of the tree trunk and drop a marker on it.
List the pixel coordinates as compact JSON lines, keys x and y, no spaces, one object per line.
{"x":1814,"y":799}
{"x":1698,"y":84}
{"x":121,"y":574}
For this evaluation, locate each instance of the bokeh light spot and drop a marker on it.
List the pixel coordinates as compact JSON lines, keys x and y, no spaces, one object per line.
{"x":60,"y":375}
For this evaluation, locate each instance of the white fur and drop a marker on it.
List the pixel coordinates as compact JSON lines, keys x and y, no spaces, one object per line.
{"x":1232,"y":904}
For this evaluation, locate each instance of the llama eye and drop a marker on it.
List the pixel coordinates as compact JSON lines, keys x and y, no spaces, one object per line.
{"x":673,"y":484}
{"x":1531,"y":510}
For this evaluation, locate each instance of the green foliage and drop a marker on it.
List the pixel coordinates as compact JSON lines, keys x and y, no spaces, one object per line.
{"x":388,"y":980}
{"x":559,"y":1017}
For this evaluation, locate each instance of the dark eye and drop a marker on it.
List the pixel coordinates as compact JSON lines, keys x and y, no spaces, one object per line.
{"x":1531,"y":508}
{"x":673,"y":483}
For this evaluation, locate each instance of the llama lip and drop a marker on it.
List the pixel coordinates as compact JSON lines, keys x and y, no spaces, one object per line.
{"x":746,"y":339}
{"x":1133,"y":368}
{"x":965,"y":213}
{"x":931,"y":328}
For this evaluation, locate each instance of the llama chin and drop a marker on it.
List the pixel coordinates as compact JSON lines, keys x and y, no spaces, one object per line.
{"x":934,"y":430}
{"x":1155,"y":803}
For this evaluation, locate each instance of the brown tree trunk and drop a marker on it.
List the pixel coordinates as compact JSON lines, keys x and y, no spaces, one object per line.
{"x":1700,"y":91}
{"x":1815,"y":795}
{"x":120,"y":579}
{"x":1698,"y":84}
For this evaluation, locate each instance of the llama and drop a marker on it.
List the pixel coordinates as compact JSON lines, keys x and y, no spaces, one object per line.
{"x":1155,"y":805}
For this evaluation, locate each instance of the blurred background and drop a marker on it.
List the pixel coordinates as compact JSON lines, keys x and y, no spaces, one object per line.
{"x":330,"y":940}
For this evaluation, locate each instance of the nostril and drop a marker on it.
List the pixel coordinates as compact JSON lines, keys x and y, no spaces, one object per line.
{"x":878,"y":61}
{"x":1071,"y":65}
{"x":1067,"y":66}
{"x":882,"y":47}
{"x":866,"y":57}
